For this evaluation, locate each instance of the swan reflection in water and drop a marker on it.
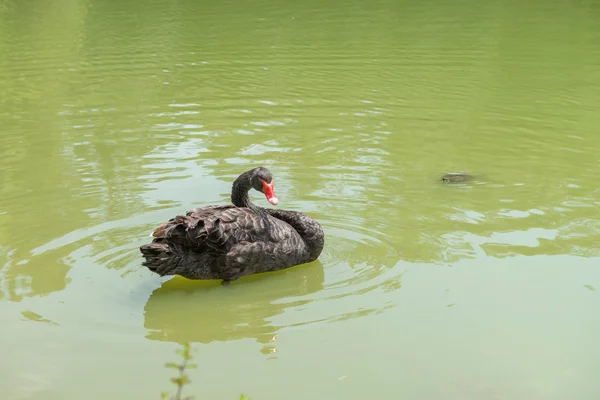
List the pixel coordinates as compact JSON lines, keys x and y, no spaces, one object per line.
{"x":184,"y":310}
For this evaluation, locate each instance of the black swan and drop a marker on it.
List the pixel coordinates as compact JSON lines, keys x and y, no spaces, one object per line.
{"x":231,"y":241}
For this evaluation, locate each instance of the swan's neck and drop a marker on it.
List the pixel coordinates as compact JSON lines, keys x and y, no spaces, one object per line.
{"x":240,"y":197}
{"x":239,"y":191}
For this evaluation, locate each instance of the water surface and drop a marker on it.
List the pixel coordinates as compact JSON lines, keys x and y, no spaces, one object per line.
{"x":117,"y":116}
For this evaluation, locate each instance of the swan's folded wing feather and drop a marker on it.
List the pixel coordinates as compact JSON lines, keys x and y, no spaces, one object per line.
{"x":226,"y":228}
{"x":213,"y":229}
{"x":180,"y":226}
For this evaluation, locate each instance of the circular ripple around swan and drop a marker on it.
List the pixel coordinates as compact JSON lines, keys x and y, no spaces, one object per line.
{"x":109,"y":291}
{"x":355,"y":275}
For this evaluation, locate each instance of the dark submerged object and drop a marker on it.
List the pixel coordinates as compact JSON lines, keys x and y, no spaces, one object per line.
{"x":456,"y":177}
{"x":231,"y":241}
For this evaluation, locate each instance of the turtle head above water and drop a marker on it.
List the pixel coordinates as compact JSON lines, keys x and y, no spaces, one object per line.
{"x":457,"y":177}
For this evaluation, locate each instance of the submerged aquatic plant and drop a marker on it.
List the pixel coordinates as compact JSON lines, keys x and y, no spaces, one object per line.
{"x":182,"y":378}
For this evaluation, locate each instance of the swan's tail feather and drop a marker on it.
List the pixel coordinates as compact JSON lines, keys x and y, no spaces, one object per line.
{"x":159,"y":258}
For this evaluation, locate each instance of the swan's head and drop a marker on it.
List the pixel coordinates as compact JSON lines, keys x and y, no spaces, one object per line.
{"x":262,"y":180}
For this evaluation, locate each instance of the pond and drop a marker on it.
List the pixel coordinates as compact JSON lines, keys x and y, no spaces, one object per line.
{"x":116,"y":116}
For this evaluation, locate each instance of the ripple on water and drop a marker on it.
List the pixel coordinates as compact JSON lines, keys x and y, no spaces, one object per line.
{"x":354,"y":262}
{"x":109,"y":291}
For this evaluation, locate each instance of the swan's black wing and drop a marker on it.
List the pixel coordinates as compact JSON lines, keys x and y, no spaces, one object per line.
{"x":228,"y":242}
{"x":213,"y":229}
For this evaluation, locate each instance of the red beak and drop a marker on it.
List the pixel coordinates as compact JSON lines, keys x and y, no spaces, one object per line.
{"x":269,"y":192}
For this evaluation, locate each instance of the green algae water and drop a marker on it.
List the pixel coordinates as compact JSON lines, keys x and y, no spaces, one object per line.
{"x":116,"y":116}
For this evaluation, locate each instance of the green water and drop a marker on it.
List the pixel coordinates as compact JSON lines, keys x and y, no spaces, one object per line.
{"x":115,"y":116}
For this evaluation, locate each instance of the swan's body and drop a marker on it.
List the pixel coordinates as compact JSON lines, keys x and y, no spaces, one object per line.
{"x":232,"y":241}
